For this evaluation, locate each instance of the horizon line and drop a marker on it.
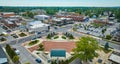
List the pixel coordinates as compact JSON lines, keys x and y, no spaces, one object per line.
{"x":59,"y":6}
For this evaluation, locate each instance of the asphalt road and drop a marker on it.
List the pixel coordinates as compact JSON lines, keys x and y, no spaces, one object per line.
{"x":25,"y":56}
{"x":102,"y":42}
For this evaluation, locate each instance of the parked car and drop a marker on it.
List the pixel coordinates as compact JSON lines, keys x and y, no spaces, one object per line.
{"x":39,"y":37}
{"x":8,"y":31}
{"x":33,"y":39}
{"x":17,"y":52}
{"x":14,"y":35}
{"x":39,"y":33}
{"x":55,"y":27}
{"x":38,"y":60}
{"x":48,"y":60}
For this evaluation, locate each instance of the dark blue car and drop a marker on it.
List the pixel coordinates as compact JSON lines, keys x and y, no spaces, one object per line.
{"x":39,"y":33}
{"x":38,"y":60}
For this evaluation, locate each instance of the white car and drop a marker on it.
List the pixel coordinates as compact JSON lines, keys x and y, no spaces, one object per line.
{"x":17,"y":52}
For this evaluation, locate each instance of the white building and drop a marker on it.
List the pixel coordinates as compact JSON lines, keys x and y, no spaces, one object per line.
{"x":37,"y":26}
{"x":115,"y":58}
{"x":41,"y":17}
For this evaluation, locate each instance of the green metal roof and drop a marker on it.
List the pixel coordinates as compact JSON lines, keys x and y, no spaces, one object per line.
{"x":58,"y":53}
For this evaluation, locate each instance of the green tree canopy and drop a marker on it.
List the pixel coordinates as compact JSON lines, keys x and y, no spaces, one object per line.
{"x":15,"y":59}
{"x":86,"y":47}
{"x":106,"y":46}
{"x":10,"y":51}
{"x":108,"y":37}
{"x":12,"y":54}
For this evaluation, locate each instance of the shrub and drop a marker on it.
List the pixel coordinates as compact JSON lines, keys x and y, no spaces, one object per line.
{"x":106,"y":46}
{"x":22,"y":34}
{"x":71,"y":37}
{"x":56,"y":37}
{"x":41,"y":47}
{"x":33,"y":42}
{"x":108,"y":37}
{"x":63,"y":37}
{"x":15,"y":59}
{"x":12,"y":54}
{"x":97,"y":25}
{"x":3,"y":39}
{"x":67,"y":34}
{"x":48,"y":36}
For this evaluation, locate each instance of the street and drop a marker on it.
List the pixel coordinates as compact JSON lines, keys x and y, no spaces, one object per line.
{"x":26,"y":56}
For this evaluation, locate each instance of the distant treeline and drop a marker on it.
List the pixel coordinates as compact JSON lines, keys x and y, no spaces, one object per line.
{"x":55,"y":9}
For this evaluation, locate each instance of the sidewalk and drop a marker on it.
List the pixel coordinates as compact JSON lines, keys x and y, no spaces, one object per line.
{"x":27,"y":46}
{"x":41,"y":58}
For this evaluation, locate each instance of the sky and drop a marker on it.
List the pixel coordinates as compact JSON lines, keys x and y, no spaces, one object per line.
{"x":93,"y":3}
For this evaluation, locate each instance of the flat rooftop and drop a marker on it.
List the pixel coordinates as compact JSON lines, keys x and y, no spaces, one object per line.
{"x":36,"y":24}
{"x":115,"y":57}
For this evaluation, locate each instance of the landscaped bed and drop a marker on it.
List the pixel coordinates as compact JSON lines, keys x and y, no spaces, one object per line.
{"x":63,"y":37}
{"x":3,"y":39}
{"x":22,"y":34}
{"x":33,"y":42}
{"x":97,"y":25}
{"x":56,"y":37}
{"x":68,"y":35}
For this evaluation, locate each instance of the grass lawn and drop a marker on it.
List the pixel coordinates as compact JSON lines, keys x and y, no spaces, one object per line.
{"x":22,"y":34}
{"x":33,"y":42}
{"x":97,"y":25}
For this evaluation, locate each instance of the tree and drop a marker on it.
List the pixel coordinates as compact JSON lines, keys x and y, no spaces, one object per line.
{"x":103,"y":31}
{"x":12,"y":54}
{"x":10,"y":51}
{"x":75,"y":25}
{"x":16,"y":59}
{"x":41,"y":47}
{"x":3,"y":39}
{"x":117,"y":15}
{"x":108,"y":37}
{"x":106,"y":46}
{"x":85,"y":48}
{"x":29,"y":14}
{"x":48,"y":36}
{"x":71,"y":36}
